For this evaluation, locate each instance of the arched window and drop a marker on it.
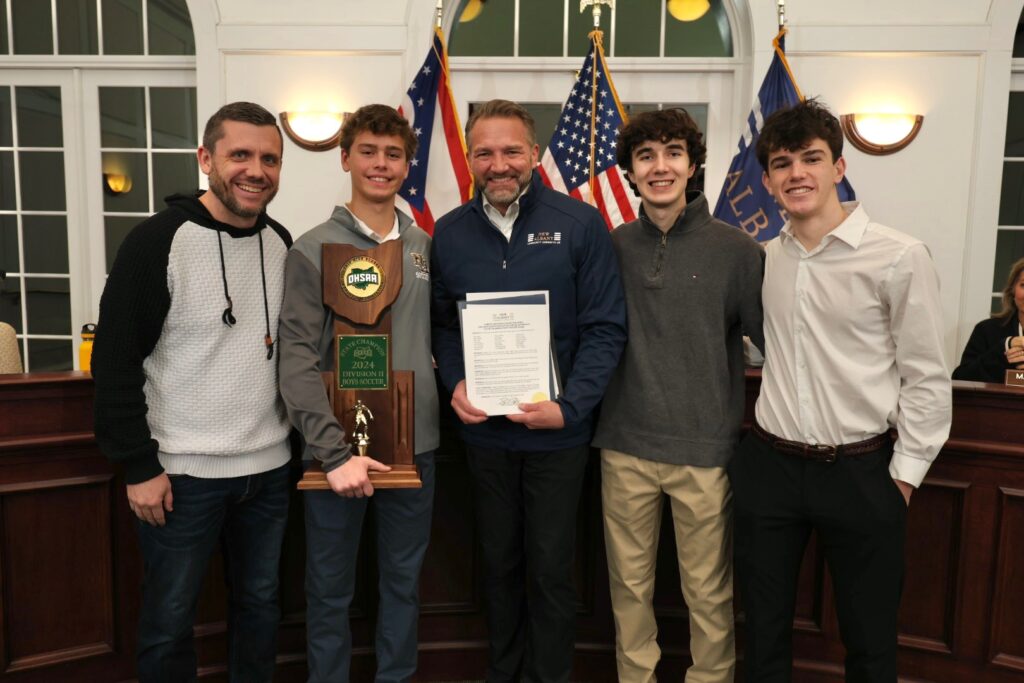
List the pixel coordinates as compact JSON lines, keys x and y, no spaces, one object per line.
{"x":1010,"y":236}
{"x":72,"y":129}
{"x":553,"y":28}
{"x":661,"y":53}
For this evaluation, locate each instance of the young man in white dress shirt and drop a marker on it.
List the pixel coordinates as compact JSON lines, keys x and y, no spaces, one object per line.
{"x":853,"y":336}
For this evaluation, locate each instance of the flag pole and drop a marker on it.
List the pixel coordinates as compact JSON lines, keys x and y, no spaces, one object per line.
{"x":440,"y":12}
{"x":596,"y":38}
{"x":781,"y":13}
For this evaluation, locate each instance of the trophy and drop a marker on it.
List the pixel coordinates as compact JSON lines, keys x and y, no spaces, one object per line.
{"x":360,"y":286}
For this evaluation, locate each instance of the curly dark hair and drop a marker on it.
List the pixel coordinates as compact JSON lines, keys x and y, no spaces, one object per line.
{"x":793,"y":127}
{"x":663,"y":126}
{"x":378,"y":119}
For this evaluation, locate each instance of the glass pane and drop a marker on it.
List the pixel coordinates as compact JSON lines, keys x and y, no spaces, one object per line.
{"x":7,"y":197}
{"x":49,"y":305}
{"x":582,"y":23}
{"x":10,"y":302}
{"x":544,"y":19}
{"x":1011,"y":200}
{"x":133,"y":166}
{"x":699,"y":112}
{"x":76,"y":27}
{"x":116,"y":228}
{"x":6,"y":131}
{"x":997,"y":304}
{"x":483,"y":29}
{"x":708,"y":36}
{"x":122,"y":27}
{"x":173,"y":174}
{"x":46,"y":244}
{"x":640,"y":36}
{"x":39,"y":117}
{"x":545,"y":116}
{"x":42,"y":181}
{"x":170,"y":28}
{"x":1009,"y":248}
{"x":9,"y":244}
{"x":174,"y":117}
{"x":3,"y":27}
{"x":50,"y":355}
{"x":33,"y":29}
{"x":122,"y":117}
{"x":1015,"y":126}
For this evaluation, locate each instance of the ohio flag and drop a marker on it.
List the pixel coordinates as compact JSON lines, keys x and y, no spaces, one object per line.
{"x":439,"y":178}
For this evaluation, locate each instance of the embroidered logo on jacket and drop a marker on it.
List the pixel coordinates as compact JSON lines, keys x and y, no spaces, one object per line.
{"x":543,"y":238}
{"x":421,"y":264}
{"x":362,"y":278}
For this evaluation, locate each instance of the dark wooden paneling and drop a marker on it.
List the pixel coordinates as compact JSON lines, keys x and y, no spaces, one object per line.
{"x":935,"y":526}
{"x":56,"y":559}
{"x":70,"y":568}
{"x":1008,"y":604}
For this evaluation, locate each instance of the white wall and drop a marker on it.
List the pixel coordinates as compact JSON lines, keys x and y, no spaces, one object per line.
{"x":946,"y":59}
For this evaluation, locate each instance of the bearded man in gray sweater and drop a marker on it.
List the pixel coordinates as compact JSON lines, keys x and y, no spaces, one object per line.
{"x":672,"y":413}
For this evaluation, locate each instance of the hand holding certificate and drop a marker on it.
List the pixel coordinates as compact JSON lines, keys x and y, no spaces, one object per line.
{"x":506,"y":341}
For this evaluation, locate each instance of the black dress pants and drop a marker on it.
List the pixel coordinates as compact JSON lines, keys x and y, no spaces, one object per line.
{"x":859,"y":515}
{"x":526,"y":515}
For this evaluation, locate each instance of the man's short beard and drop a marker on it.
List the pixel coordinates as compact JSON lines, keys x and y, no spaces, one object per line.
{"x":523,"y":183}
{"x":221,"y":190}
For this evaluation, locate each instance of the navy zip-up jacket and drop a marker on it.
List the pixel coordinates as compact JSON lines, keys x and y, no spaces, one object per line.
{"x":558,"y":244}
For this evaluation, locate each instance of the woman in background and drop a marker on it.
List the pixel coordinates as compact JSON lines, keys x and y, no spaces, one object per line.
{"x":997,"y":344}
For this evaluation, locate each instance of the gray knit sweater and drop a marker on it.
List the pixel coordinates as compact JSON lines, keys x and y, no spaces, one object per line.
{"x":691,"y":293}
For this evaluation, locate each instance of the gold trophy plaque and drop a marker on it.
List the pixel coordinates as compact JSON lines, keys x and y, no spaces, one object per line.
{"x":366,"y":395}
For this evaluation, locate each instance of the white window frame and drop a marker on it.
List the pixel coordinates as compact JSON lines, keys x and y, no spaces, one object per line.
{"x":92,"y":171}
{"x":719,"y":83}
{"x":79,"y":80}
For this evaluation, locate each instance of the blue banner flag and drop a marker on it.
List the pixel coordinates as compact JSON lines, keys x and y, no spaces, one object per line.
{"x":743,"y":201}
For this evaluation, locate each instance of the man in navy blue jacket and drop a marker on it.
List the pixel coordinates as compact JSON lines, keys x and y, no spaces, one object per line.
{"x":519,"y":235}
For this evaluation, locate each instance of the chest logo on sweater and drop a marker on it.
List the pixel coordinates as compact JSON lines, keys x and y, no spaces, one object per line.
{"x":422,"y":266}
{"x":543,"y":238}
{"x":362,"y":278}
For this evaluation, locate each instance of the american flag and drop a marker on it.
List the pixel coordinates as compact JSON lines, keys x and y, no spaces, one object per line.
{"x":439,"y":178}
{"x":592,"y":115}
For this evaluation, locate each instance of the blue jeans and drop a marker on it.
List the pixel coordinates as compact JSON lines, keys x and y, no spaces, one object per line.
{"x":333,"y":527}
{"x":248,"y":514}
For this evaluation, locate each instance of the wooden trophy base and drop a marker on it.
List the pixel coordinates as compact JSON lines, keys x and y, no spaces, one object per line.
{"x":400,"y":477}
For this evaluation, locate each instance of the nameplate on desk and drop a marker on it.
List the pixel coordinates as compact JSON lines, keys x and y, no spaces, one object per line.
{"x":1015,"y":378}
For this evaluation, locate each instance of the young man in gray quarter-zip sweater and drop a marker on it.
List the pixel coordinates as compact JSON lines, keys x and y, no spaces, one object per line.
{"x":377,"y":147}
{"x":672,"y":412}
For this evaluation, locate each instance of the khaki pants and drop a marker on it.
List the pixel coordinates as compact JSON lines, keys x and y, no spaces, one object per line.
{"x":631,"y":492}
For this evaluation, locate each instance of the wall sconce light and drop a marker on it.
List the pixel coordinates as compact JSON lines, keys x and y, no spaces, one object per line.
{"x":881,"y":134}
{"x":317,"y":131}
{"x":688,"y":10}
{"x":117,"y":183}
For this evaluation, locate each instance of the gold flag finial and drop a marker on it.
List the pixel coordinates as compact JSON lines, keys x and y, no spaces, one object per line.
{"x":595,"y":8}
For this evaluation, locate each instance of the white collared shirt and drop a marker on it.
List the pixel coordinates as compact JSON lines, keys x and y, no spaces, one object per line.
{"x":854,"y":336}
{"x":503,"y":223}
{"x":369,"y":232}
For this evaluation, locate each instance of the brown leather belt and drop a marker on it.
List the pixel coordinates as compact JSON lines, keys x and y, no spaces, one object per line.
{"x":822,"y":452}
